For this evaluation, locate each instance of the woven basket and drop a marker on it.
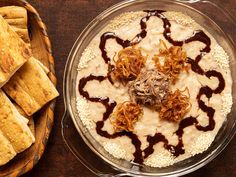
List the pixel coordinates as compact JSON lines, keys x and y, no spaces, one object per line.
{"x":41,"y":49}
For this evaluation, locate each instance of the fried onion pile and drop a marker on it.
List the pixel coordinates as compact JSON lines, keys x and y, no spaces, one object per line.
{"x":175,"y":61}
{"x":129,"y":64}
{"x":175,"y":106}
{"x":125,"y":116}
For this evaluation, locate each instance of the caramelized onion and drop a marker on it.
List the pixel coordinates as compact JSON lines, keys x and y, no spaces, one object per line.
{"x":125,"y":116}
{"x":175,"y":61}
{"x":129,"y":64}
{"x":175,"y":106}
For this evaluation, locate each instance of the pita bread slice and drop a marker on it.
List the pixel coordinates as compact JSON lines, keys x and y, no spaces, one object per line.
{"x":22,"y":33}
{"x":12,"y":125}
{"x":17,"y":18}
{"x":24,"y":116}
{"x":30,"y":87}
{"x":14,"y":12}
{"x":7,"y":152}
{"x":28,"y":119}
{"x":46,"y":70}
{"x":13,"y":52}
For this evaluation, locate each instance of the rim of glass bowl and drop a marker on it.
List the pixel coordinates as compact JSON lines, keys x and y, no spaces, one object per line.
{"x":68,"y":98}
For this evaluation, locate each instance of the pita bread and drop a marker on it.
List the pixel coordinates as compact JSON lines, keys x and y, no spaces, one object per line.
{"x":12,"y":125}
{"x":25,"y":117}
{"x":22,"y":33}
{"x":17,"y":18}
{"x":30,"y":87}
{"x":13,"y":52}
{"x":28,"y":119}
{"x":7,"y":152}
{"x":46,"y":70}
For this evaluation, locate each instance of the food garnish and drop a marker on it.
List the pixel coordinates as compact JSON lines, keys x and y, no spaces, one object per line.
{"x":125,"y":116}
{"x":129,"y":64}
{"x":150,"y":88}
{"x":175,"y":61}
{"x":175,"y":106}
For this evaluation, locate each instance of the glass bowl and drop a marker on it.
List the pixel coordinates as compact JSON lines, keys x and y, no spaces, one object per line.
{"x":208,"y":14}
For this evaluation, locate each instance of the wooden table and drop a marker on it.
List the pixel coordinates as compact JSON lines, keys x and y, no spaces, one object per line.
{"x":65,"y":20}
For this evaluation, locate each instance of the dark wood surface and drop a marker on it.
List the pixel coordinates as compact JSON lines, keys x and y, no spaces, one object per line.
{"x":65,"y":20}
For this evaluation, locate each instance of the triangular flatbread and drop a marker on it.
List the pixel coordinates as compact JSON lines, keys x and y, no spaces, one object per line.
{"x":30,"y":87}
{"x":13,"y":52}
{"x":7,"y":152}
{"x":17,"y":18}
{"x":13,"y":126}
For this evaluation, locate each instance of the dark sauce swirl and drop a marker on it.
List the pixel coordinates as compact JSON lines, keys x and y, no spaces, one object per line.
{"x":109,"y":105}
{"x":189,"y":121}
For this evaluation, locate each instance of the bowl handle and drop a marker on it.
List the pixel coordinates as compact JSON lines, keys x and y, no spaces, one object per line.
{"x":122,"y":174}
{"x":188,"y":1}
{"x":67,"y":130}
{"x":83,"y":154}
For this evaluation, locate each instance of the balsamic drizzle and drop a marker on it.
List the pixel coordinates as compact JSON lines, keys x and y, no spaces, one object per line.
{"x":189,"y":121}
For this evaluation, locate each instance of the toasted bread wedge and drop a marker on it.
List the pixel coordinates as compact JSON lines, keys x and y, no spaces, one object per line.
{"x":14,"y":12}
{"x":13,"y":52}
{"x":17,"y":18}
{"x":13,"y":126}
{"x":21,"y":111}
{"x":28,"y":119}
{"x":30,"y":87}
{"x":46,"y":70}
{"x":7,"y":152}
{"x":22,"y":33}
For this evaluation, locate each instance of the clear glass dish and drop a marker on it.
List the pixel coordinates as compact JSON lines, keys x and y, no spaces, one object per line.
{"x":213,"y":18}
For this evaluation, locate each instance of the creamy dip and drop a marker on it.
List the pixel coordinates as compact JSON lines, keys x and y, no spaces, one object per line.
{"x":155,"y":142}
